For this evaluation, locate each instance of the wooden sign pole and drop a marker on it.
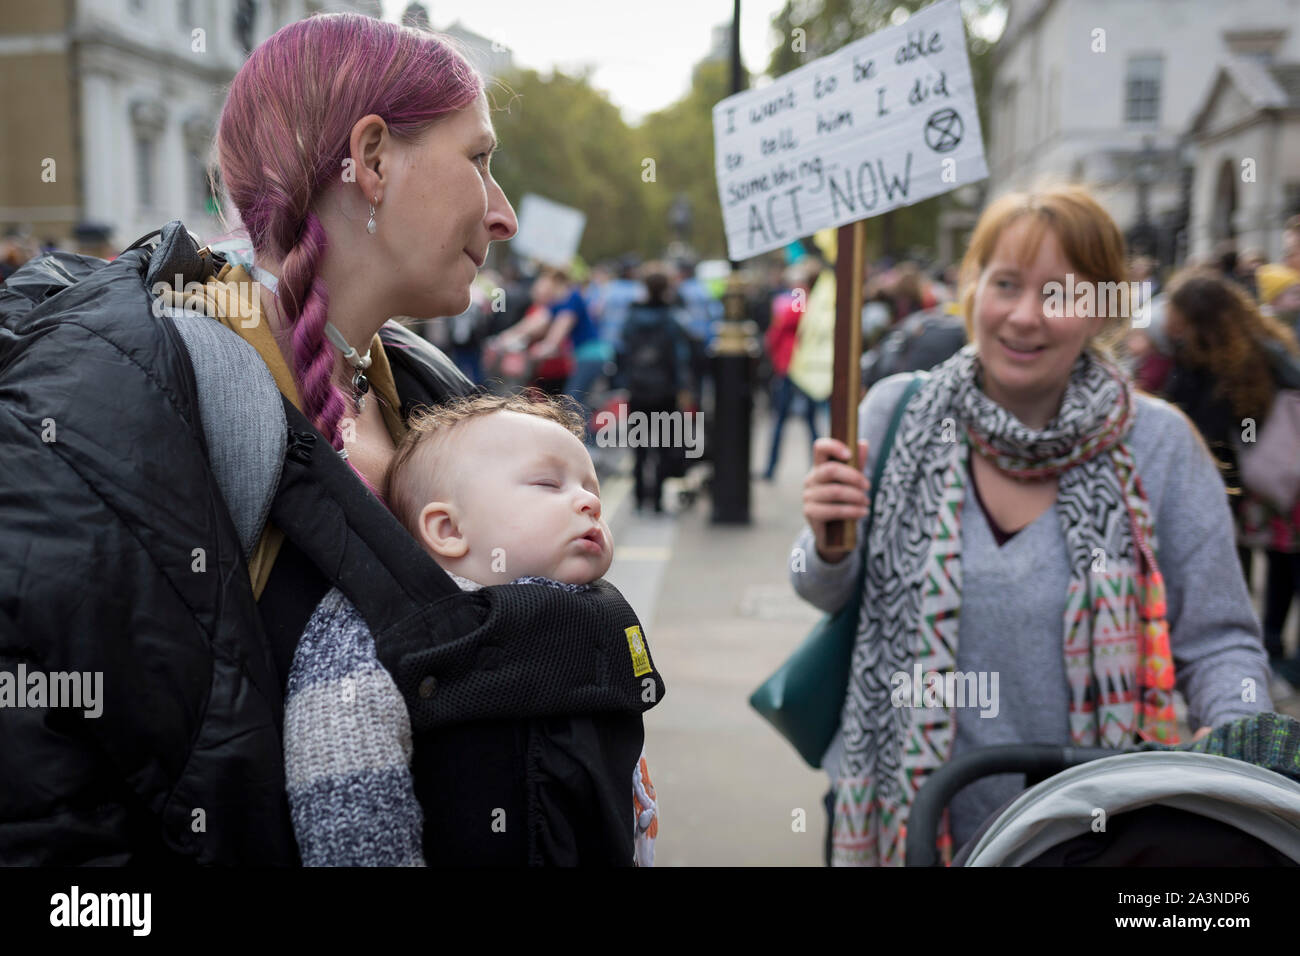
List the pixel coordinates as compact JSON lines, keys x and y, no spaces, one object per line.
{"x":846,"y":382}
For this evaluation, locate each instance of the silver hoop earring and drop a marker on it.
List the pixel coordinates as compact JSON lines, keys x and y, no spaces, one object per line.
{"x":370,"y":226}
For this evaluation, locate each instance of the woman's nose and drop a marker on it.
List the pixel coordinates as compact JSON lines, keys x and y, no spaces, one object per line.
{"x":1030,"y":308}
{"x":501,"y":221}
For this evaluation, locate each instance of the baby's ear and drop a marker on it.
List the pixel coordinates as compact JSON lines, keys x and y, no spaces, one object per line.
{"x":440,"y":530}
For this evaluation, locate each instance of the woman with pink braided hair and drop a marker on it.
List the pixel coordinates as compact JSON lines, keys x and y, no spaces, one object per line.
{"x":376,"y":199}
{"x":215,"y":503}
{"x":357,"y":155}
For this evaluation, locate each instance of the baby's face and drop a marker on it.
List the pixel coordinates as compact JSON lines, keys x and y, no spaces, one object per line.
{"x":528,"y":502}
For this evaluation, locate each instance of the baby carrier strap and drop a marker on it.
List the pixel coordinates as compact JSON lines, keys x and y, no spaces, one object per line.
{"x":239,"y":404}
{"x":508,"y":651}
{"x":243,"y":421}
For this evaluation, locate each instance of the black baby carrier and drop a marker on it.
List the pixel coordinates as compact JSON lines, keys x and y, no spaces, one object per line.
{"x":525,"y":702}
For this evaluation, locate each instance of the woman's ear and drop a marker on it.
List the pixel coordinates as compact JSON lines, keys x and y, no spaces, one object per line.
{"x":369,"y":143}
{"x":440,"y":530}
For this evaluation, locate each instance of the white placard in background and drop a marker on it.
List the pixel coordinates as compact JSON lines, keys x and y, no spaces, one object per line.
{"x":884,"y":122}
{"x":548,"y":231}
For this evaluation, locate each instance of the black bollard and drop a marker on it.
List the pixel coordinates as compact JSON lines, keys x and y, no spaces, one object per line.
{"x":733,"y":357}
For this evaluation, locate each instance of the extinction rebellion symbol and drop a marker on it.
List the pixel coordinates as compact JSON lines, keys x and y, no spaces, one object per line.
{"x":943,"y":130}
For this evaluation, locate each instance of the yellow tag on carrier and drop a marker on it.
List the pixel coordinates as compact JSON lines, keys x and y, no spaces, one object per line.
{"x":640,"y":656}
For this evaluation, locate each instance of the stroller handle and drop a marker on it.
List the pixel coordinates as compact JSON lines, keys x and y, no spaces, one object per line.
{"x":1036,"y":761}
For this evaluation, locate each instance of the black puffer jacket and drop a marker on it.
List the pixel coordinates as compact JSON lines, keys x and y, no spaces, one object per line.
{"x":99,"y":525}
{"x":105,"y":493}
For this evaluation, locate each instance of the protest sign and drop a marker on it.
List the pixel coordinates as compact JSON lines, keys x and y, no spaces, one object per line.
{"x":548,"y":231}
{"x":884,"y":122}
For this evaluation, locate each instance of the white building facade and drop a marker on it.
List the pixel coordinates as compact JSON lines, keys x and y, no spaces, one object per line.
{"x":153,"y":75}
{"x":1105,"y":93}
{"x":1246,"y":140}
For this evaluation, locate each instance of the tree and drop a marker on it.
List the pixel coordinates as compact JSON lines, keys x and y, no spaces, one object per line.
{"x":680,"y":140}
{"x":563,"y":139}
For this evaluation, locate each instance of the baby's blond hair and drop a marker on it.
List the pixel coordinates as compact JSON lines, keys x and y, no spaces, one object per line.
{"x":413,"y":475}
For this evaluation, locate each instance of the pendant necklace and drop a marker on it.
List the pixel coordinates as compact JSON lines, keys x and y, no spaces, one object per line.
{"x":359,"y":363}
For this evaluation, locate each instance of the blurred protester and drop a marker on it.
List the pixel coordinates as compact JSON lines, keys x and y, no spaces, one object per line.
{"x":550,"y":331}
{"x":877,"y":306}
{"x":703,"y":308}
{"x":939,"y":286}
{"x":1224,"y":258}
{"x":1279,"y":291}
{"x":920,"y":342}
{"x":1250,"y":260}
{"x":764,"y":293}
{"x":654,"y":362}
{"x":952,"y":278}
{"x":596,"y":287}
{"x":467,"y":332}
{"x":13,"y":253}
{"x":1146,"y":349}
{"x":1291,"y":243}
{"x":782,"y":332}
{"x":593,"y":355}
{"x":615,"y":290}
{"x":703,"y":314}
{"x":93,"y":239}
{"x":811,"y":365}
{"x":514,"y":298}
{"x":1142,"y":269}
{"x":908,"y":292}
{"x":1227,"y":357}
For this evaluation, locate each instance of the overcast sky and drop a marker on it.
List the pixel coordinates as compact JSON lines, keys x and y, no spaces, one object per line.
{"x":643,"y":50}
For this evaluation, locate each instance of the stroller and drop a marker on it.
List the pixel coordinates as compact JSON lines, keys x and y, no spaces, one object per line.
{"x":1226,"y":801}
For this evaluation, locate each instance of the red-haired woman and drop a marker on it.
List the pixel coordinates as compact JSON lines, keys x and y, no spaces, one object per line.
{"x":1040,"y":527}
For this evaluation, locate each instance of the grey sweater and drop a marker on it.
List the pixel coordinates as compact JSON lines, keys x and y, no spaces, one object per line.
{"x":1013,"y":600}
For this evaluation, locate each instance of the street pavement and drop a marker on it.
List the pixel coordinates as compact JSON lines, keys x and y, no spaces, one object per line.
{"x":720,"y":616}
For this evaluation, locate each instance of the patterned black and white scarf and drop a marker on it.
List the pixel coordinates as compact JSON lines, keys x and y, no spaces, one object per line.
{"x":1115,"y":638}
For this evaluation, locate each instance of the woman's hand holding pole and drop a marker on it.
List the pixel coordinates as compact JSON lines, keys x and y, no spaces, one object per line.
{"x":834,"y":490}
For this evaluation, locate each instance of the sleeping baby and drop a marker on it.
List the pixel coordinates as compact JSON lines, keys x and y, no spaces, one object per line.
{"x":498,"y":490}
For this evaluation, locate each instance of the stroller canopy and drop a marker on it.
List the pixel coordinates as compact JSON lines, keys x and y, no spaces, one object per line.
{"x":1229,"y":795}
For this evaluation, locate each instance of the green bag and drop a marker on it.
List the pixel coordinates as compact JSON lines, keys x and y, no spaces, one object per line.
{"x":803,"y":700}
